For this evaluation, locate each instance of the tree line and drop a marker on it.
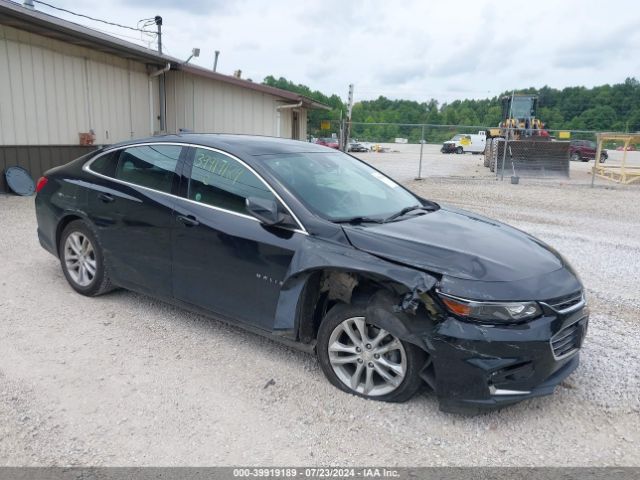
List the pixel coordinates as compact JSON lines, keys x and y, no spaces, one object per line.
{"x":601,"y":108}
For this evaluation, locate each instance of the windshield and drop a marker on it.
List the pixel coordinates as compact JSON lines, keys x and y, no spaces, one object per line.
{"x":337,"y":186}
{"x":456,"y":137}
{"x":522,"y":107}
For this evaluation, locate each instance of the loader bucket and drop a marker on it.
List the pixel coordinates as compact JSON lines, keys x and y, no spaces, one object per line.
{"x":532,"y":158}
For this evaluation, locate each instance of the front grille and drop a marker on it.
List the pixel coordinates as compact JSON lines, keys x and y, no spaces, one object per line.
{"x":566,"y":302}
{"x":569,"y":339}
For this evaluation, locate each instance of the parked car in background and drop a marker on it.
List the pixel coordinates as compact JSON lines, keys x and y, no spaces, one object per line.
{"x":585,"y":150}
{"x":462,"y":143}
{"x":319,"y":250}
{"x":328,"y":142}
{"x":630,"y":148}
{"x":357,"y":147}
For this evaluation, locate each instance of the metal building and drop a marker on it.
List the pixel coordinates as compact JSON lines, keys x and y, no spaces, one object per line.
{"x":59,"y":79}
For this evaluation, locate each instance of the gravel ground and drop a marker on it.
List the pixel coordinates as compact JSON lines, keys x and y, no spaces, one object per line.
{"x":126,"y":380}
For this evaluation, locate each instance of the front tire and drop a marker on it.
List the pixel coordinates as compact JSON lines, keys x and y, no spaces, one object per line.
{"x":365,"y":360}
{"x":488,"y":152}
{"x":459,"y":150}
{"x":575,"y":156}
{"x":82,"y":260}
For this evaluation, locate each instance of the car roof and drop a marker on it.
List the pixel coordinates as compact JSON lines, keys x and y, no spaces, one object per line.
{"x":241,"y":145}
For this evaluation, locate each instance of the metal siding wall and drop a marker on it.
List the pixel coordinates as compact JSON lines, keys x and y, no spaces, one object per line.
{"x":220,"y":107}
{"x":40,"y":97}
{"x":43,"y":94}
{"x":285,"y":123}
{"x":54,"y":130}
{"x":303,"y":124}
{"x":238,"y":110}
{"x":269,"y":117}
{"x":209,"y":104}
{"x":217,"y":107}
{"x":6,"y":110}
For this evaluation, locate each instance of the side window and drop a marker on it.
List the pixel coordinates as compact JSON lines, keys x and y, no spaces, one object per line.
{"x":106,"y":164}
{"x":223,"y":182}
{"x":151,"y":166}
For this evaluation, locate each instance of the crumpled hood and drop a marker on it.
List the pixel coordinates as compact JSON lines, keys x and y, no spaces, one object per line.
{"x":458,"y":244}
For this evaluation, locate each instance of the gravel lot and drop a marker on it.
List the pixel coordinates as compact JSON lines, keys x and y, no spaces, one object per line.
{"x":127,"y":380}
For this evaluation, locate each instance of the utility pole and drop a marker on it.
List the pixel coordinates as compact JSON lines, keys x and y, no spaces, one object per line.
{"x":347,"y":128}
{"x":161,"y":84}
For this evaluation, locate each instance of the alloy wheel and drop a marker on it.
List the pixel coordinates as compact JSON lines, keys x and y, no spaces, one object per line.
{"x":80,"y":259}
{"x":367,"y":359}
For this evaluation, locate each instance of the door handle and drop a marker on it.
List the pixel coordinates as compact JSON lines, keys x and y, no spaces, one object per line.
{"x":106,"y":198}
{"x":188,"y":220}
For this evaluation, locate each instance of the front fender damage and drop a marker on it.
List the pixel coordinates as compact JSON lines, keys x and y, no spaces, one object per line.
{"x":409,"y":325}
{"x":314,"y":255}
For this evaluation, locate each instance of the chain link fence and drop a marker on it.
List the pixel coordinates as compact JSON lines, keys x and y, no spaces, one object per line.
{"x":506,"y":152}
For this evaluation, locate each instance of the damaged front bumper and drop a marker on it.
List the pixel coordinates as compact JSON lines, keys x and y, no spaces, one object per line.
{"x":476,"y":367}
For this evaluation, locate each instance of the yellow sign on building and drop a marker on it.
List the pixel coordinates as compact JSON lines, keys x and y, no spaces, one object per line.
{"x":564,"y":135}
{"x":325,"y":125}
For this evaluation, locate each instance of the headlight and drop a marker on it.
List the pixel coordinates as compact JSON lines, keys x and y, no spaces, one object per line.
{"x":491,"y":311}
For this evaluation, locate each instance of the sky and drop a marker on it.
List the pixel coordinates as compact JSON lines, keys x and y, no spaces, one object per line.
{"x":408,"y":49}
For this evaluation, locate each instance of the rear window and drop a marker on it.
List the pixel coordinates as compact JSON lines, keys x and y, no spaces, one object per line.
{"x":106,"y":164}
{"x":151,"y":166}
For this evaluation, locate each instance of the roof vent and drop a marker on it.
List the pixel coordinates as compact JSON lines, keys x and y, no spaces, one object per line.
{"x":237,"y":74}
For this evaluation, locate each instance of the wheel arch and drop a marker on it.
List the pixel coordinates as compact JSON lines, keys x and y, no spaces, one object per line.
{"x":326,"y":287}
{"x":65,"y":220}
{"x":317,"y":260}
{"x":383,"y":307}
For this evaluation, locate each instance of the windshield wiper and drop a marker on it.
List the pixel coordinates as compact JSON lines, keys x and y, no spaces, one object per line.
{"x":362,"y":219}
{"x":358,"y":219}
{"x":405,"y":211}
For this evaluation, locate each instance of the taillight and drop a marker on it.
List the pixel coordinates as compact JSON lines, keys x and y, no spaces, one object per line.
{"x":42,"y":181}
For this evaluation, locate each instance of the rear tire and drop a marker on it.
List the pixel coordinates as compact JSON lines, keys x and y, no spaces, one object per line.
{"x":82,"y":260}
{"x":378,"y":367}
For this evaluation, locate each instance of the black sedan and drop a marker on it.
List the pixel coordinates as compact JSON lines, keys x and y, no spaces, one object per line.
{"x":317,"y":249}
{"x":357,"y":147}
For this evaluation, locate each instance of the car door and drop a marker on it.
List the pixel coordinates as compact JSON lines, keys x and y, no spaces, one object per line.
{"x":131,"y":205}
{"x":225,"y":260}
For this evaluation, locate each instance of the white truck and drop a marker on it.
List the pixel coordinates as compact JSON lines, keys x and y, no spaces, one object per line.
{"x":463,"y":142}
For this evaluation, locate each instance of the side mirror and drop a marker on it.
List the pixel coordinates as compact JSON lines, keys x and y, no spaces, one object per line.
{"x":265,"y":210}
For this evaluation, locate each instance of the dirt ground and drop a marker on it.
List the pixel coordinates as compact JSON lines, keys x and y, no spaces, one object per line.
{"x":126,"y":380}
